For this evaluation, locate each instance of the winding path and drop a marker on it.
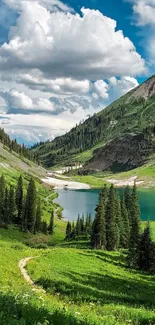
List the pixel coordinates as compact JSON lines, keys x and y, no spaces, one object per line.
{"x":22,"y":265}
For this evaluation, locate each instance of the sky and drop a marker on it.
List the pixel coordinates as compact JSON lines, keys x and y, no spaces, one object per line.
{"x":62,"y":61}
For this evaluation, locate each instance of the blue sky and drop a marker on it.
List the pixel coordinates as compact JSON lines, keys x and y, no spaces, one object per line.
{"x":60,"y":64}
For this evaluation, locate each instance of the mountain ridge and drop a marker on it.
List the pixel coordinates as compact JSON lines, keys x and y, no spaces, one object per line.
{"x":134,"y":112}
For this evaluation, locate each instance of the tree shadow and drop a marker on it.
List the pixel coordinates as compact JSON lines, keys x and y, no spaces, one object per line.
{"x":15,"y":312}
{"x":94,"y":287}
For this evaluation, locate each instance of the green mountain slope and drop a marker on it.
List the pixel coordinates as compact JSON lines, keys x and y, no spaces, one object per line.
{"x":131,"y":114}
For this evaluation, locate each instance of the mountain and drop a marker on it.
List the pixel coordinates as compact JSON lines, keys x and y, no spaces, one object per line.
{"x":15,"y":160}
{"x":129,"y":122}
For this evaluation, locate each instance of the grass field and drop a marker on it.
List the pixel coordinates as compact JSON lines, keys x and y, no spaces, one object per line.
{"x":97,"y":283}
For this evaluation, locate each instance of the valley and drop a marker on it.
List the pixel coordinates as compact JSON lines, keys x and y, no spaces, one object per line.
{"x":48,"y":278}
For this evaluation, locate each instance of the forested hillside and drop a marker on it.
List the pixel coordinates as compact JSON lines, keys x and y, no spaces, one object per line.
{"x":131,"y":114}
{"x":22,"y":150}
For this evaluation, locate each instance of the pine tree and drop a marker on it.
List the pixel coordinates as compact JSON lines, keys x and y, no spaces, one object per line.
{"x":73,"y":231}
{"x":127,"y":200}
{"x":30,"y":207}
{"x":19,"y":199}
{"x":104,"y":194}
{"x":119,"y":224}
{"x":125,"y":234}
{"x":134,"y":229}
{"x":146,"y":251}
{"x":38,"y":217}
{"x":51,"y":225}
{"x":88,"y":225}
{"x":78,"y":226}
{"x":82,"y":224}
{"x":135,"y":217}
{"x":112,"y":230}
{"x":98,"y":235}
{"x":12,"y":206}
{"x":6,"y":209}
{"x":68,"y":230}
{"x":2,"y":198}
{"x":44,"y":227}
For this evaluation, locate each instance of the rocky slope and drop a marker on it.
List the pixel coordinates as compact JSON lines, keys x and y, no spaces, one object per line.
{"x":133,"y":113}
{"x":122,"y":153}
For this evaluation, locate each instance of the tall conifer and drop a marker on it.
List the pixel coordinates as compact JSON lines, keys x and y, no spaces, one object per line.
{"x":111,"y":225}
{"x":12,"y":206}
{"x":38,"y":216}
{"x":125,"y":235}
{"x":98,"y":235}
{"x":2,"y":198}
{"x":30,"y":207}
{"x":19,"y":199}
{"x":51,"y":225}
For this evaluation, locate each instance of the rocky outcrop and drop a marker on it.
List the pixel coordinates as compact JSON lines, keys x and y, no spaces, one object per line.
{"x":123,"y":153}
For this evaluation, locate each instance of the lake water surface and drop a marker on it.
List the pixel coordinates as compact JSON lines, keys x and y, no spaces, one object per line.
{"x":76,"y":202}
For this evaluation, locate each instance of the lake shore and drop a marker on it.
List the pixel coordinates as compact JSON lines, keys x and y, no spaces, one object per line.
{"x":125,"y":182}
{"x":64,"y":183}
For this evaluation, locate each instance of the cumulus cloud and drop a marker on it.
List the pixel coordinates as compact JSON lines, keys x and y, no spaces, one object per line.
{"x":121,"y":86}
{"x":69,"y":45}
{"x":57,"y":67}
{"x":20,"y":103}
{"x":36,"y":81}
{"x":101,"y":87}
{"x":53,"y":5}
{"x":144,"y":17}
{"x":144,"y":11}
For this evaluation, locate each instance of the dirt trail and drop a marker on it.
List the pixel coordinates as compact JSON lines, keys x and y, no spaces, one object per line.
{"x":22,"y":265}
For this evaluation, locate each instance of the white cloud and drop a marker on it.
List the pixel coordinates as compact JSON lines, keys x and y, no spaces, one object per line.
{"x":101,"y":87}
{"x":144,"y":11}
{"x":144,"y":17}
{"x":18,"y":101}
{"x":36,"y":81}
{"x":119,"y":87}
{"x":69,"y":46}
{"x":55,"y":66}
{"x":53,"y":5}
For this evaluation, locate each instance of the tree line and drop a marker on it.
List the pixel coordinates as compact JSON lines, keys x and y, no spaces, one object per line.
{"x":14,"y":146}
{"x":82,"y":228}
{"x":117,"y":226}
{"x":22,"y":208}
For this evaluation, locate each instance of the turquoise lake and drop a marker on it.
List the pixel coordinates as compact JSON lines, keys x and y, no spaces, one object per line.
{"x":76,"y":202}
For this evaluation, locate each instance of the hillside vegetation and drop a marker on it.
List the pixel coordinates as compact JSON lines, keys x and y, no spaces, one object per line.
{"x":132,"y":114}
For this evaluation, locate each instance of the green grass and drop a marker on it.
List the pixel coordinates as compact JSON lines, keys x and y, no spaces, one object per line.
{"x":98,"y":284}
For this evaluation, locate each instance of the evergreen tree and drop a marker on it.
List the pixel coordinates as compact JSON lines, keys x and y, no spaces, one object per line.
{"x":44,"y":227}
{"x":30,"y":207}
{"x":88,"y":225}
{"x":146,"y":251}
{"x":119,"y":225}
{"x":125,"y":234}
{"x":78,"y":226}
{"x":104,"y":194}
{"x":51,"y":225}
{"x":111,"y":226}
{"x":73,"y":231}
{"x":2,"y":198}
{"x":134,"y":229}
{"x":19,"y":199}
{"x":98,"y":236}
{"x":6,"y":208}
{"x":12,"y":206}
{"x":127,"y":200}
{"x":38,"y":216}
{"x":82,"y":224}
{"x":24,"y":216}
{"x":68,"y":230}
